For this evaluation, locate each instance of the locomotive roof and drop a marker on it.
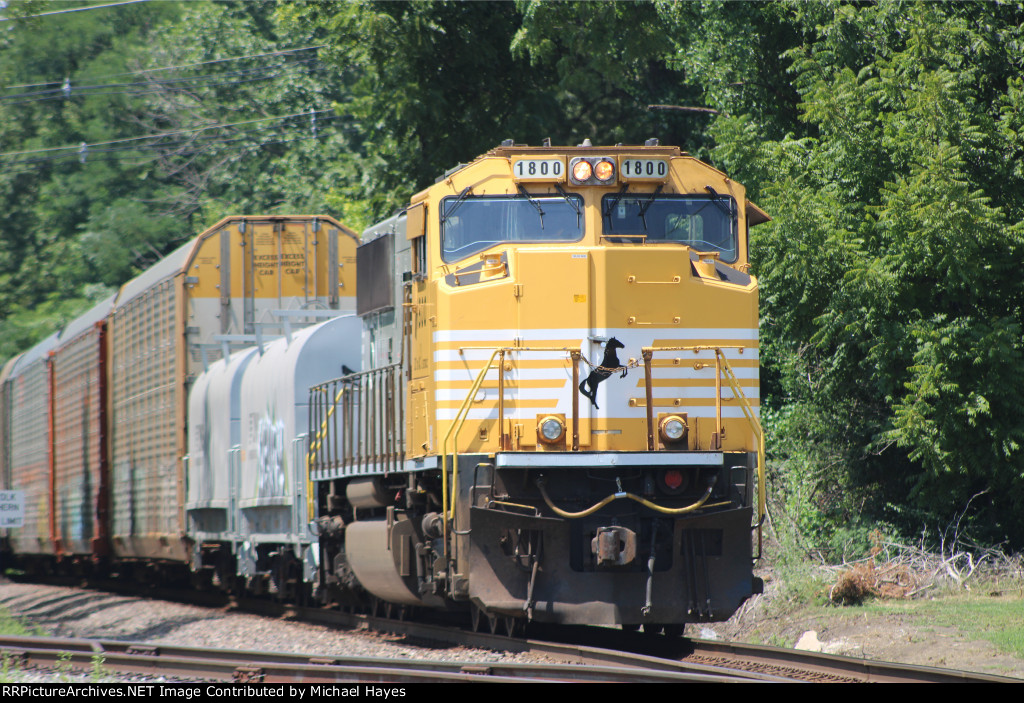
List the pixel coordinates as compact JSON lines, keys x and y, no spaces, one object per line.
{"x":755,"y":215}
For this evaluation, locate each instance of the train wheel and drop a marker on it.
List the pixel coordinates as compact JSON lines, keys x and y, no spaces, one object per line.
{"x":675,"y":630}
{"x":652,"y":628}
{"x":631,"y":627}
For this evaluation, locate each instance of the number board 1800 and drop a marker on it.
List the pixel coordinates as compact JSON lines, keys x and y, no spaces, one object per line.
{"x":644,"y":169}
{"x":538,"y":169}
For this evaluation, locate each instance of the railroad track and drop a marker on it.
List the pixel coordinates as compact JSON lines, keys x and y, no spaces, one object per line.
{"x":591,"y":646}
{"x":581,"y":654}
{"x":84,"y":656}
{"x":704,"y":662}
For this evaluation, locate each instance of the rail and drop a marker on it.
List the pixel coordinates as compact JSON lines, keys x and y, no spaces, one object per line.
{"x":360,"y":424}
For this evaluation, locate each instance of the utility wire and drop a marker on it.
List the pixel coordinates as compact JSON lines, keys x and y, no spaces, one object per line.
{"x":184,"y":65}
{"x":67,"y":90}
{"x":73,"y":9}
{"x":162,"y":134}
{"x":182,"y":148}
{"x":107,"y":155}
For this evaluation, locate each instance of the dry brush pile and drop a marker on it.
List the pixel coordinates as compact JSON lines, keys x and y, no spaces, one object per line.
{"x":894,"y":570}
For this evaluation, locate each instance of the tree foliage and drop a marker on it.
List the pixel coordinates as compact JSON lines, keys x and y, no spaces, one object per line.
{"x":886,"y":140}
{"x":889,"y":272}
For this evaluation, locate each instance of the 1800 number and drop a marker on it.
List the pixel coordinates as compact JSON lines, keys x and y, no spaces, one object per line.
{"x":644,"y":168}
{"x":538,"y":168}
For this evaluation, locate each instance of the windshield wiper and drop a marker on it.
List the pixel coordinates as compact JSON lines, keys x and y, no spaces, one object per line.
{"x":647,"y":203}
{"x":533,"y":201}
{"x":455,"y":206}
{"x":572,"y":203}
{"x":717,"y":200}
{"x":611,"y":205}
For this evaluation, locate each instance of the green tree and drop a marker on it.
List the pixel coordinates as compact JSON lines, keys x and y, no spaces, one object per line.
{"x":49,"y":195}
{"x":892,"y":303}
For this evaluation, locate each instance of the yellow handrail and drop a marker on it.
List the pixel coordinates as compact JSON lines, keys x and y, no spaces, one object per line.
{"x":722,"y":364}
{"x":460,"y":418}
{"x":755,"y":425}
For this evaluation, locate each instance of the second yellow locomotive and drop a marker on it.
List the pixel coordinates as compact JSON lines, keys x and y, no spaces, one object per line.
{"x":558,"y":414}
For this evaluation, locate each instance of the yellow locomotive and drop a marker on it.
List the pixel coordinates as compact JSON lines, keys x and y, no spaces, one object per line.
{"x":557,"y":414}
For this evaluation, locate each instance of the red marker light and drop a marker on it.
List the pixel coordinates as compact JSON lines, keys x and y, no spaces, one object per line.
{"x":673,"y":479}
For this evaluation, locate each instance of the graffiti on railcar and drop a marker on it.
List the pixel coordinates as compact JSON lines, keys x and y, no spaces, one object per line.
{"x":270,"y":455}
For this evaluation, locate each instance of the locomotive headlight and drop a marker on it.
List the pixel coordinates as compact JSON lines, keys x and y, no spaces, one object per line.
{"x":672,"y":429}
{"x":552,"y":429}
{"x":592,"y":171}
{"x":604,"y":170}
{"x":582,"y":171}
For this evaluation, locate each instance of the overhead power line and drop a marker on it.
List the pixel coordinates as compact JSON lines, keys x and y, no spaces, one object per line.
{"x":73,"y":9}
{"x":139,"y":152}
{"x":211,"y":80}
{"x":160,"y":135}
{"x":172,"y":68}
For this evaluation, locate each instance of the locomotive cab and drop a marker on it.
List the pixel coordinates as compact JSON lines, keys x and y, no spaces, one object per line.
{"x":559,"y":417}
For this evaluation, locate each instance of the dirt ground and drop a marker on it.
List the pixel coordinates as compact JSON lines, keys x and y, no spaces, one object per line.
{"x":896,"y":636}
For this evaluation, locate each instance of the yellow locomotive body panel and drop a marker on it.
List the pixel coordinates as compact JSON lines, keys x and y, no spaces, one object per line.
{"x":549,"y":298}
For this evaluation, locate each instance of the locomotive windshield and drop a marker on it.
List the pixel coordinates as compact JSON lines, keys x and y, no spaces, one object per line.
{"x":706,"y":222}
{"x":474,"y":223}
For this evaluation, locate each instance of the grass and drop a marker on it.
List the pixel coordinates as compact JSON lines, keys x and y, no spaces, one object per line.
{"x":996,"y":619}
{"x":14,"y":627}
{"x":987,"y":606}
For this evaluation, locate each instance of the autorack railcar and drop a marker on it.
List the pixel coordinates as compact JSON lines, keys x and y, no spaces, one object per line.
{"x":94,"y":418}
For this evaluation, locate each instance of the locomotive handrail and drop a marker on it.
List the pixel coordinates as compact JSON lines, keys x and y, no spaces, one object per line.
{"x":721,"y":365}
{"x":755,"y":424}
{"x":456,"y":425}
{"x":460,"y":418}
{"x":376,"y":445}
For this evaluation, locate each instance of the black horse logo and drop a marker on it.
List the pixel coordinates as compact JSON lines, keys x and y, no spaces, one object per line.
{"x":609,"y":364}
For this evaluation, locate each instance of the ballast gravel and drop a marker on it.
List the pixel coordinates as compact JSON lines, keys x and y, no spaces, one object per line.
{"x":66,"y":612}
